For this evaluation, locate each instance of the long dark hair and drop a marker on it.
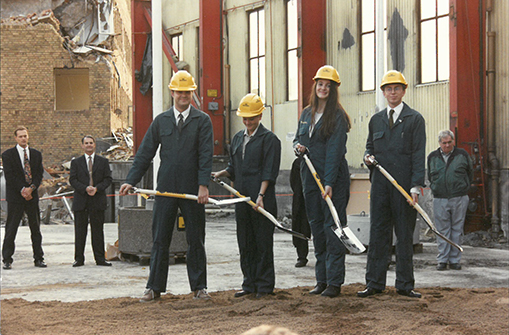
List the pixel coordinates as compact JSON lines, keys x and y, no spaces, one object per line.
{"x":332,"y":107}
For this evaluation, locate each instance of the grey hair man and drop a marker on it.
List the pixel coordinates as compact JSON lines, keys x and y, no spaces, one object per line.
{"x":450,"y":173}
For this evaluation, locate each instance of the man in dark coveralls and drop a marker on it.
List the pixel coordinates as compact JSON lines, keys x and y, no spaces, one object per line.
{"x":184,"y":136}
{"x":397,"y":140}
{"x":255,"y":157}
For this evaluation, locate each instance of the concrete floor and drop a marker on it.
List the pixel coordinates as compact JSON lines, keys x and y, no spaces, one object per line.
{"x":60,"y":281}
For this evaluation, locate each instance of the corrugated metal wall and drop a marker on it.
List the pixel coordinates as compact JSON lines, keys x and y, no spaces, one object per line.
{"x":431,"y":100}
{"x":501,"y":28}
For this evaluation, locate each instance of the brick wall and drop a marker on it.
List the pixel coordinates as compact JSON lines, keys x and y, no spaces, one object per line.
{"x":29,"y":55}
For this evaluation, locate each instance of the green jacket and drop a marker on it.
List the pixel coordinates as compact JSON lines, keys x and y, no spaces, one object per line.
{"x":452,"y":179}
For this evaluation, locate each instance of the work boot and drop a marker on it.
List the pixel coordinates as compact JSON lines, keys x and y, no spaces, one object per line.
{"x":441,"y":266}
{"x":201,"y":294}
{"x":150,"y":295}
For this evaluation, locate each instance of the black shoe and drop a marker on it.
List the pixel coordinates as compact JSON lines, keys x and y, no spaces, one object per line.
{"x":40,"y":264}
{"x":319,"y":288}
{"x":262,"y":294}
{"x":103,"y":263}
{"x":7,"y":266}
{"x":441,"y":266}
{"x":368,"y":291}
{"x":332,"y":291}
{"x":76,"y":264}
{"x":409,"y":293}
{"x":241,"y":293}
{"x":455,"y":266}
{"x":301,"y":263}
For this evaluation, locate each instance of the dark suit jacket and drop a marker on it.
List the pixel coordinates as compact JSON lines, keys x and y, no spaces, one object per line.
{"x":186,"y":158}
{"x":79,"y":179}
{"x":15,"y":175}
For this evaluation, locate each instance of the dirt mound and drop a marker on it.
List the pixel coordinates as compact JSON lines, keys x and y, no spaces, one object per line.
{"x":440,"y":311}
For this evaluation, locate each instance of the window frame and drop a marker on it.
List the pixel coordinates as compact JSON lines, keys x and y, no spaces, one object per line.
{"x":258,"y":56}
{"x":290,"y":50}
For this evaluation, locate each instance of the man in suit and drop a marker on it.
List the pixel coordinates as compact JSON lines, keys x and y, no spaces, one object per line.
{"x":397,"y":140}
{"x":184,"y":136}
{"x":90,"y":176}
{"x":23,"y":175}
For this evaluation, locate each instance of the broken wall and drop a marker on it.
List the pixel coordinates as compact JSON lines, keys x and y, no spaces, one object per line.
{"x":29,"y":56}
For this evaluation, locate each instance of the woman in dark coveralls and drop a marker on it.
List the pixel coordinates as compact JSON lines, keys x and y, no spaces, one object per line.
{"x":255,"y":156}
{"x":322,"y":130}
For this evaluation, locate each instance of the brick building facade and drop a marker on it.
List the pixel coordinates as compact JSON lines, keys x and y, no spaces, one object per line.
{"x":59,"y":95}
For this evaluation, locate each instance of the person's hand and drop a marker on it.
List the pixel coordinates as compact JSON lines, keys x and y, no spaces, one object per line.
{"x":91,"y":190}
{"x":124,"y":189}
{"x":220,"y":174}
{"x":300,"y":149}
{"x":203,"y":195}
{"x":328,"y":192}
{"x":259,"y":202}
{"x":367,"y":159}
{"x":415,"y":199}
{"x":26,"y":193}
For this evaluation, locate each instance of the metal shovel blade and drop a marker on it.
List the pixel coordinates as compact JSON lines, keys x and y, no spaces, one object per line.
{"x":349,"y":239}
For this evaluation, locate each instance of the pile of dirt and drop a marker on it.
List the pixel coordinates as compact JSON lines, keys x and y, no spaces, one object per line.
{"x":440,"y":311}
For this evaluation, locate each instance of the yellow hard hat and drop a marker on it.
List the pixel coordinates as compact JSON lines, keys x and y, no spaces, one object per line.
{"x":182,"y":81}
{"x":327,"y":72}
{"x":393,"y":77}
{"x":250,"y":105}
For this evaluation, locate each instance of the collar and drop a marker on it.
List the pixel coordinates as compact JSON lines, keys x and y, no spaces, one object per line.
{"x":397,"y":111}
{"x":254,"y":132}
{"x":92,"y":155}
{"x":185,"y":113}
{"x":444,"y":154}
{"x":20,"y":148}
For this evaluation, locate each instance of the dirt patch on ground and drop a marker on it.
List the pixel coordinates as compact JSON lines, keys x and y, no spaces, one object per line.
{"x":440,"y":311}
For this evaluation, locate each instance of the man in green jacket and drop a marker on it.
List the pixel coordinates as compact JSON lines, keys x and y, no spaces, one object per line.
{"x":450,"y":173}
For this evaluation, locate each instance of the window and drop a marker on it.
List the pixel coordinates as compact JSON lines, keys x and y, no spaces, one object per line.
{"x":292,"y":47}
{"x":257,"y":52}
{"x":176,"y":44}
{"x":368,"y":47}
{"x":434,"y":40}
{"x":71,"y":89}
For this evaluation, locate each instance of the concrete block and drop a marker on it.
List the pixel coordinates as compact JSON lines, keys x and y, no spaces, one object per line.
{"x":135,"y":233}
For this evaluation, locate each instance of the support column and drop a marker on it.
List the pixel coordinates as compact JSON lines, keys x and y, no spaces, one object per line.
{"x":211,"y":68}
{"x":312,"y":51}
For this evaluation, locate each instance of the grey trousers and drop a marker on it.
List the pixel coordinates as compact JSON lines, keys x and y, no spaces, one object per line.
{"x":449,"y":220}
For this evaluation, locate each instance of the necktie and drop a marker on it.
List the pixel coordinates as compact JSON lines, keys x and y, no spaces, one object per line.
{"x":180,"y":124}
{"x":91,"y":183}
{"x":391,"y":121}
{"x":26,"y":168}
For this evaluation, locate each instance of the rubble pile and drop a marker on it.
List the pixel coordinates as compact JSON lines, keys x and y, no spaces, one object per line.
{"x":46,"y":16}
{"x":122,"y":149}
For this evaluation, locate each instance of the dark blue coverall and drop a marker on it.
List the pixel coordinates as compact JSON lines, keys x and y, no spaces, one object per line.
{"x":255,"y":233}
{"x":328,"y":158}
{"x":401,"y":151}
{"x":186,"y":163}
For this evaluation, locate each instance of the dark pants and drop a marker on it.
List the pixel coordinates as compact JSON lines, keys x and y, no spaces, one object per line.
{"x":255,"y":236}
{"x":15,"y":212}
{"x":329,"y":250}
{"x":300,"y":224}
{"x":163,"y":222}
{"x":81,"y":219}
{"x":389,"y":209}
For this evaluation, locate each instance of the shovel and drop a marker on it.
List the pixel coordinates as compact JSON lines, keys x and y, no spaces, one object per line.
{"x":261,"y":210}
{"x":417,"y":207}
{"x":345,"y":234}
{"x":190,"y":197}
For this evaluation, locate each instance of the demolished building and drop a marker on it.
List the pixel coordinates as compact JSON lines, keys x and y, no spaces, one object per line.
{"x":65,"y":72}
